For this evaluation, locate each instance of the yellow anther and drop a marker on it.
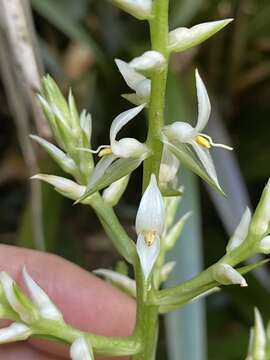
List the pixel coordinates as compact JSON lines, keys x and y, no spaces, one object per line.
{"x":149,"y":237}
{"x":104,"y":152}
{"x":203,"y":141}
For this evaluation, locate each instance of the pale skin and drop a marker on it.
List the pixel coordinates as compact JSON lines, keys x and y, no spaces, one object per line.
{"x":86,"y":302}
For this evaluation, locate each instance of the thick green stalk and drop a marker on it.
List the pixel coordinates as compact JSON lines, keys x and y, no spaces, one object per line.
{"x":159,"y":39}
{"x":147,"y":315}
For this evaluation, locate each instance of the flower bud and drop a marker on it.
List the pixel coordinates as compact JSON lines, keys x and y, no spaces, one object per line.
{"x":86,"y":124}
{"x":81,"y":350}
{"x":149,"y":226}
{"x":64,"y":186}
{"x":148,"y":63}
{"x":166,"y":270}
{"x":121,"y":281}
{"x":114,"y":192}
{"x":183,"y":38}
{"x":259,"y":338}
{"x":241,"y":232}
{"x":140,"y":9}
{"x":169,"y":167}
{"x":264,"y":245}
{"x":15,"y":332}
{"x":46,"y":308}
{"x":261,"y":218}
{"x":17,"y":300}
{"x":227,"y":275}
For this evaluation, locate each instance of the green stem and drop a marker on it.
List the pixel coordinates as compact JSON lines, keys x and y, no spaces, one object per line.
{"x":159,"y":39}
{"x":102,"y":345}
{"x":122,"y":242}
{"x":146,"y":321}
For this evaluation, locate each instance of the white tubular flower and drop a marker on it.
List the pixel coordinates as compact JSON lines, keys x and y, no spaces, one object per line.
{"x":149,"y":226}
{"x":183,"y":38}
{"x":64,"y":186}
{"x":149,"y":62}
{"x":81,"y":350}
{"x":264,"y":246}
{"x":259,"y":338}
{"x":169,"y":166}
{"x":241,"y":232}
{"x":187,"y":134}
{"x":140,"y":9}
{"x":15,"y":332}
{"x":113,"y":193}
{"x":26,"y":313}
{"x":227,"y":275}
{"x":136,"y":81}
{"x":46,"y":308}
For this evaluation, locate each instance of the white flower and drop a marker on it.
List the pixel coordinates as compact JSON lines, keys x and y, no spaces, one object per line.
{"x":182,"y":38}
{"x":46,"y":308}
{"x":264,"y":246}
{"x":124,"y":148}
{"x":241,"y":232}
{"x":149,"y":226}
{"x":113,"y":193}
{"x":26,"y":313}
{"x":187,"y":134}
{"x":136,"y":81}
{"x":227,"y":275}
{"x":259,"y":338}
{"x":141,"y":9}
{"x":149,"y":62}
{"x":64,"y":186}
{"x":169,"y":166}
{"x":81,"y":350}
{"x":14,"y":332}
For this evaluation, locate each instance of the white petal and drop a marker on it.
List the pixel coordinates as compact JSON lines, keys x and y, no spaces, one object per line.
{"x":227,"y":275}
{"x":129,"y":148}
{"x":264,"y":246}
{"x":206,"y":159}
{"x":7,"y":284}
{"x":141,"y":9}
{"x":204,"y":106}
{"x":143,"y":89}
{"x":241,"y":232}
{"x":183,"y":38}
{"x":148,"y":62}
{"x":151,"y":212}
{"x":113,"y":193}
{"x":147,"y":254}
{"x":180,"y":131}
{"x":121,"y":120}
{"x":259,"y":337}
{"x":42,"y":301}
{"x":100,"y":169}
{"x":131,"y":77}
{"x":65,"y":186}
{"x":15,"y":332}
{"x":169,"y":166}
{"x":86,"y":123}
{"x":120,"y":280}
{"x":81,"y":350}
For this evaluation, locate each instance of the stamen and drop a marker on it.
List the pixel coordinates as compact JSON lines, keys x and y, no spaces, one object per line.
{"x":105,"y":151}
{"x":94,"y":151}
{"x":149,"y":237}
{"x":200,"y":140}
{"x":215,"y":144}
